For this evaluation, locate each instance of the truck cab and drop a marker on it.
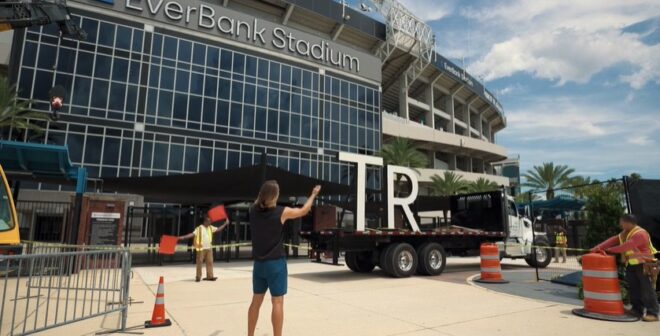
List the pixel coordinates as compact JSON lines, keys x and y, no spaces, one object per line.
{"x":521,"y":238}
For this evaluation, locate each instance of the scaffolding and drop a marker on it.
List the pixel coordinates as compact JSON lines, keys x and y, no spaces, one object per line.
{"x":406,"y":32}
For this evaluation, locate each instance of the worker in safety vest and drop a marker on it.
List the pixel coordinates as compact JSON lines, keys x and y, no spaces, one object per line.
{"x":561,"y":243}
{"x":203,"y":243}
{"x":634,"y":245}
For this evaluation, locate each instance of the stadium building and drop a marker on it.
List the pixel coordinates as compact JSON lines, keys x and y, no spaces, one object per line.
{"x":185,"y":86}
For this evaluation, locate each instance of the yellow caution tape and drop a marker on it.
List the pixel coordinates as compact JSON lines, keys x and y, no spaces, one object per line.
{"x":131,"y":249}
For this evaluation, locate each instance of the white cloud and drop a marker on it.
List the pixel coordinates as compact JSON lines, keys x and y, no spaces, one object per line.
{"x":640,"y":140}
{"x":589,"y":133}
{"x":429,"y":10}
{"x":566,"y":40}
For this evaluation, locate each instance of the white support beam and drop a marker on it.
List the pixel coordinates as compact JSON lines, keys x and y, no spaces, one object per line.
{"x":337,"y":31}
{"x":287,"y":14}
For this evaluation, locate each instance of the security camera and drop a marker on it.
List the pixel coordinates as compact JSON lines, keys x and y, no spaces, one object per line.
{"x":364,"y":7}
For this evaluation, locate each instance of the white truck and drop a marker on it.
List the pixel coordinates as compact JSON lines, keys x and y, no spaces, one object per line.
{"x":404,"y":250}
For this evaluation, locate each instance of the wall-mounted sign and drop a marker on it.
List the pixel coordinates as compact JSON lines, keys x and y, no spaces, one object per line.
{"x":205,"y":16}
{"x":104,"y":228}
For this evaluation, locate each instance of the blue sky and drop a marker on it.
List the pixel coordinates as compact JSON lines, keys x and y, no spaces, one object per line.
{"x":579,"y":80}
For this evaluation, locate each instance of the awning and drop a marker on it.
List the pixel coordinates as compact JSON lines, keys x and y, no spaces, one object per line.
{"x":234,"y":185}
{"x":40,"y":163}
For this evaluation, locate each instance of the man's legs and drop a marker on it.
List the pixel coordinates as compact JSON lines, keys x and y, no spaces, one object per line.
{"x":253,"y":312}
{"x":208,"y":255}
{"x":199,"y":257}
{"x":563,"y":253}
{"x":277,"y":316}
{"x":647,"y":294}
{"x":634,"y":293}
{"x":557,"y":254}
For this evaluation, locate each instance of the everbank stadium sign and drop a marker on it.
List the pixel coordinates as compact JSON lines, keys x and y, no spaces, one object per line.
{"x":208,"y":17}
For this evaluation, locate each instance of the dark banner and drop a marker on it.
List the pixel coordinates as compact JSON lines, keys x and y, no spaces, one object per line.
{"x":645,"y":203}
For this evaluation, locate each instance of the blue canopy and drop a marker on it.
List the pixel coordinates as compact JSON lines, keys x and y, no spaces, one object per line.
{"x":562,"y":202}
{"x":39,"y":161}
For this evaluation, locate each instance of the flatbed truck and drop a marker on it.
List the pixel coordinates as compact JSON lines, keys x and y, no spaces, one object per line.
{"x":489,"y":217}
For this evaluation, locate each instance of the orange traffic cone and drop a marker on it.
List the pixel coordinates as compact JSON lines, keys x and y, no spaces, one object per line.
{"x":158,"y":317}
{"x":602,"y":295}
{"x":491,"y":271}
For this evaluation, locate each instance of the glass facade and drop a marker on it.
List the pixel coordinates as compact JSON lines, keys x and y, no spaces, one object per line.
{"x":205,"y":106}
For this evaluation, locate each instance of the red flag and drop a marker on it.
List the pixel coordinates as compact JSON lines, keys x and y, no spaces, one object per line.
{"x":167,"y":244}
{"x":217,"y":214}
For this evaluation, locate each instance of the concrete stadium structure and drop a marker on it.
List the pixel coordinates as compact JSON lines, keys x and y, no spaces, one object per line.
{"x":187,"y":86}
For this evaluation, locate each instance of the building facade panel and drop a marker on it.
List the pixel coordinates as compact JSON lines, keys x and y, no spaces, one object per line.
{"x":144,"y":103}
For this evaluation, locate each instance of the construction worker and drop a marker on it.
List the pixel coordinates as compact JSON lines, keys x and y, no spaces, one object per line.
{"x":634,"y":245}
{"x":203,"y":242}
{"x":561,"y":243}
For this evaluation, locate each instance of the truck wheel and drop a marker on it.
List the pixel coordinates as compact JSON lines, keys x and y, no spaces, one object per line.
{"x":432,"y":259}
{"x":350,"y":260}
{"x":543,"y":255}
{"x":360,"y":262}
{"x":383,"y":259}
{"x":401,"y":259}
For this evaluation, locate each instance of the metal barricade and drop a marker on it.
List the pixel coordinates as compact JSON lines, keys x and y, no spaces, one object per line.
{"x":47,"y":290}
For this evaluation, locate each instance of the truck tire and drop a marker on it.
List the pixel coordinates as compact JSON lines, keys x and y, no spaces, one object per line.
{"x":543,"y":255}
{"x":400,"y":260}
{"x":432,"y":259}
{"x":350,"y":260}
{"x":382,"y":259}
{"x":360,"y":262}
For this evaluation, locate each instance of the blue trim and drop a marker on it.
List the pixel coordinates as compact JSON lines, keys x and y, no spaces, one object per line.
{"x":41,"y":160}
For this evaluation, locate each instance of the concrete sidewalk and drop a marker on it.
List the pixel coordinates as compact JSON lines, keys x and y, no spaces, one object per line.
{"x":329,"y":300}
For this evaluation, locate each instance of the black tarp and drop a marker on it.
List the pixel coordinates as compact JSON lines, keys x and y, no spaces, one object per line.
{"x":645,"y":204}
{"x":234,"y":185}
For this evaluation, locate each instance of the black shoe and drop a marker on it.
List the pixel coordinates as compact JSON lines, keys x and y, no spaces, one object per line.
{"x":633,"y":313}
{"x":211,"y":279}
{"x":196,"y":279}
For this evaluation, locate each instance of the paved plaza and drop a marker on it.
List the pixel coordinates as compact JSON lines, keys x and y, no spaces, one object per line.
{"x":330,"y":300}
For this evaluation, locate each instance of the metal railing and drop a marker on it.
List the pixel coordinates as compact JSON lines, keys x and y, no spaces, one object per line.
{"x":47,"y":290}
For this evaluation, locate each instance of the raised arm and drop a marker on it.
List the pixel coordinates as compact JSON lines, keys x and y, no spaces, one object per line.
{"x":221,"y":227}
{"x":293,"y":213}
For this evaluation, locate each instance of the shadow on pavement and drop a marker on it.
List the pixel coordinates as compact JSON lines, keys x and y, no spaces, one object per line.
{"x":523,"y":283}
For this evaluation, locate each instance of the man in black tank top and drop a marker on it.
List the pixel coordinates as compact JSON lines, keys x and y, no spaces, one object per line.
{"x":270,"y":269}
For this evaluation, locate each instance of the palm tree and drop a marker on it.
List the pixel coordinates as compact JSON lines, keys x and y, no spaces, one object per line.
{"x":403,"y":152}
{"x":580,"y":186}
{"x":482,"y":185}
{"x":16,"y":114}
{"x":524,"y":198}
{"x":548,"y":177}
{"x":449,"y":184}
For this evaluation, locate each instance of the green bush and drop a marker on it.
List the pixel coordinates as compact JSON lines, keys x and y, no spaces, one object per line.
{"x":604,"y":206}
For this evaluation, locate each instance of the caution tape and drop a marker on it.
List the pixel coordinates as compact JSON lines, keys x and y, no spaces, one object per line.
{"x":552,"y":247}
{"x":130,"y":249}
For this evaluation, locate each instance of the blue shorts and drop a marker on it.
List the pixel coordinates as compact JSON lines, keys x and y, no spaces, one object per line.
{"x":270,"y":274}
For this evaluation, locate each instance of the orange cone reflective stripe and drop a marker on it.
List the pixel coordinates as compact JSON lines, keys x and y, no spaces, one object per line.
{"x":491,"y":271}
{"x":602,"y":294}
{"x":158,"y":316}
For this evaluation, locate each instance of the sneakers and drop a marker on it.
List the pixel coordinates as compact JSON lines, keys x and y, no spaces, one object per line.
{"x":196,"y":279}
{"x":211,"y":279}
{"x":650,"y":318}
{"x":633,"y":313}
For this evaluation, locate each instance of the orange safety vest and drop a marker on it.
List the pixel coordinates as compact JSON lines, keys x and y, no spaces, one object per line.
{"x":634,"y":257}
{"x":197,"y":242}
